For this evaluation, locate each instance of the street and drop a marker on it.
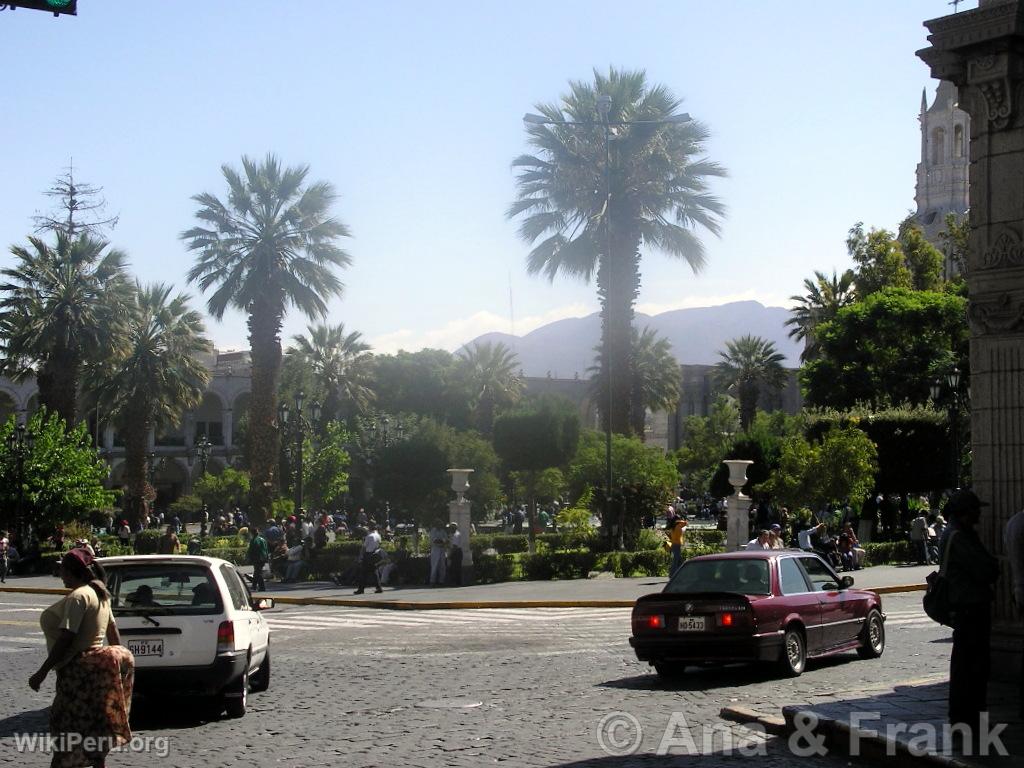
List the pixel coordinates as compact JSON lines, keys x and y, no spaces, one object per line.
{"x":364,"y":687}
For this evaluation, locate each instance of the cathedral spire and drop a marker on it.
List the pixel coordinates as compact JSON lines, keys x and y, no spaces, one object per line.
{"x":924,"y":100}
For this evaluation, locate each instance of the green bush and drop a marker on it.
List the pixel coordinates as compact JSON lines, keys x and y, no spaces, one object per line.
{"x":704,"y":537}
{"x":649,"y":539}
{"x":236,"y":555}
{"x":490,"y":569}
{"x":557,"y":565}
{"x":881,"y":553}
{"x":147,"y":542}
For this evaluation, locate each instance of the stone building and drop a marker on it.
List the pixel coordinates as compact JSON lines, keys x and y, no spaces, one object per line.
{"x":221,"y":417}
{"x":942,"y":174}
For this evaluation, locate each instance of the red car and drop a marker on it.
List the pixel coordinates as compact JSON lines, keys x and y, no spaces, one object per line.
{"x":778,"y":606}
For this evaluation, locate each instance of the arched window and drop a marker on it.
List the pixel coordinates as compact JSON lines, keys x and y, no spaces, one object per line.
{"x":958,"y":140}
{"x":938,"y":146}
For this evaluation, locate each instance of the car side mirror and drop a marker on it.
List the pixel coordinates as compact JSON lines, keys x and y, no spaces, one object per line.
{"x":264,"y":604}
{"x":846,"y":582}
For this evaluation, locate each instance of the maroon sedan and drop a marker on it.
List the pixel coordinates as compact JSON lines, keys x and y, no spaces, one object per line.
{"x":779,"y":606}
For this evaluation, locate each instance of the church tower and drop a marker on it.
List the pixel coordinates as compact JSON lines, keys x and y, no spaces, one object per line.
{"x":942,"y":173}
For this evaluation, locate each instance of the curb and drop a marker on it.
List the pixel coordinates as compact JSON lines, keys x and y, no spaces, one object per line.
{"x":892,"y":590}
{"x":772,"y":724}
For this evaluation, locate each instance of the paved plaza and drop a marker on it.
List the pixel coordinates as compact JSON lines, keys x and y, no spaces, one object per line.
{"x":518,"y":687}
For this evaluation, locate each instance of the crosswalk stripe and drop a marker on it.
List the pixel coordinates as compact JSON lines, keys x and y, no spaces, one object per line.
{"x":22,"y":640}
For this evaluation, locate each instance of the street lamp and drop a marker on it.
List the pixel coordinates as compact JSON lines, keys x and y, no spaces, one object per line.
{"x":203,"y":448}
{"x":956,"y":401}
{"x":294,"y":432}
{"x":19,"y":446}
{"x":604,"y":107}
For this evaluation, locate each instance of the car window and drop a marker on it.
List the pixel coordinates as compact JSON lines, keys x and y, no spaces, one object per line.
{"x":238,"y":596}
{"x":821,"y":578}
{"x":792,"y":578}
{"x":739,"y":576}
{"x":163,"y":588}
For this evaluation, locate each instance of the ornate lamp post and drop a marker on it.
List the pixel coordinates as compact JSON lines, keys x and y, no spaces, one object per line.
{"x":954,"y":404}
{"x":203,"y":448}
{"x":294,"y":431}
{"x":19,"y":445}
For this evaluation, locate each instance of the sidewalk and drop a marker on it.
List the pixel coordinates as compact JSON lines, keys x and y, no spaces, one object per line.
{"x":900,"y":722}
{"x":601,"y":592}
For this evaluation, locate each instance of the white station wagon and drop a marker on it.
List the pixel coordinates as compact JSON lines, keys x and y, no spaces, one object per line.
{"x":193,"y":627}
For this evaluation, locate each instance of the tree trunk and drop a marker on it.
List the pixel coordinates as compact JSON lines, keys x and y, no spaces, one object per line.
{"x":264,"y":436}
{"x":138,"y":492}
{"x":57,"y":381}
{"x":618,"y":284}
{"x":748,"y":394}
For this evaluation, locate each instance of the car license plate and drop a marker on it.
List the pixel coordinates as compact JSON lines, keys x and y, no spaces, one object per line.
{"x":146,"y":647}
{"x":691,"y":623}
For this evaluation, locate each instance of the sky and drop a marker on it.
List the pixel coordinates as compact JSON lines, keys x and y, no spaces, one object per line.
{"x":413,"y":111}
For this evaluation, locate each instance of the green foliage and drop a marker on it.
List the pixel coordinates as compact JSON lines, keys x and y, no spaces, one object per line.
{"x":491,"y":569}
{"x":325,"y":467}
{"x":538,"y":438}
{"x":223,"y":491}
{"x":186,"y":507}
{"x":841,"y":466}
{"x":337,"y":366}
{"x":923,"y":259}
{"x":955,"y":240}
{"x":889,"y":553}
{"x":548,"y":485}
{"x":489,"y":374}
{"x":147,"y":542}
{"x":282,"y":508}
{"x":887,"y":349}
{"x":824,"y":297}
{"x":749,"y":365}
{"x":426,"y":383}
{"x":63,"y":475}
{"x":880,"y":260}
{"x":708,"y":440}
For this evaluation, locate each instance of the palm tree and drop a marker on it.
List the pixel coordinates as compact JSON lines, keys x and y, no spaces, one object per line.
{"x":153,"y":379}
{"x":748,"y":364}
{"x":340,"y":364}
{"x":655,"y":377}
{"x":273,"y":245}
{"x":63,"y":307}
{"x":491,"y":373}
{"x":823,"y":299}
{"x":659,"y":195}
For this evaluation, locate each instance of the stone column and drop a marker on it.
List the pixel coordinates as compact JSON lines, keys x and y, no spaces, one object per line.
{"x":982,"y":52}
{"x":226,"y":427}
{"x":458,"y":513}
{"x":738,"y":518}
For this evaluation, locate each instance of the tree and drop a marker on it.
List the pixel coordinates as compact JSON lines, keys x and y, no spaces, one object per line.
{"x":880,"y":260}
{"x":63,"y":307}
{"x":272,"y":246}
{"x":325,"y":471}
{"x":532,"y":440}
{"x":923,"y":260}
{"x":955,"y":240}
{"x":224,"y":491}
{"x":749,"y":364}
{"x":887,"y":349}
{"x":63,"y":475}
{"x":823,"y":298}
{"x":658,"y":195}
{"x":426,"y":383}
{"x":489,"y":372}
{"x":339,"y":363}
{"x":153,"y":379}
{"x":708,"y":440}
{"x":79,"y":211}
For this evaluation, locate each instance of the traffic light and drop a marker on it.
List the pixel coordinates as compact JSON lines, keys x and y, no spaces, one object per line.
{"x":56,"y":7}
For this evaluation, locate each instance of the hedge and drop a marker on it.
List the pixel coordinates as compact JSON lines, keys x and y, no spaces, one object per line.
{"x":882,"y":552}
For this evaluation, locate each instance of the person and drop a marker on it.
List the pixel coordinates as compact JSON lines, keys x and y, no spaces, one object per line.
{"x":856,"y":550}
{"x":5,"y":556}
{"x":805,"y":540}
{"x":971,"y":573}
{"x":919,"y":538}
{"x":294,"y":562}
{"x":124,"y":534}
{"x":676,"y":539}
{"x":760,"y":542}
{"x":455,"y":554}
{"x":438,"y":545}
{"x":1015,"y":554}
{"x":142,"y":596}
{"x":168,"y":544}
{"x":258,"y":555}
{"x":94,"y":682}
{"x":369,"y":559}
{"x":775,"y":537}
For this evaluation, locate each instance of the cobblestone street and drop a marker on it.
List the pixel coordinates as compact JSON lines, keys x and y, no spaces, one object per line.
{"x":527,"y":687}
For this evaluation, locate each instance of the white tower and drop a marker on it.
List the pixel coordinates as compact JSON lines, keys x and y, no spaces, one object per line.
{"x":942,"y":173}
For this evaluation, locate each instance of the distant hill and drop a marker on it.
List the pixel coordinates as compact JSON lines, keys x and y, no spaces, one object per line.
{"x":566,"y":347}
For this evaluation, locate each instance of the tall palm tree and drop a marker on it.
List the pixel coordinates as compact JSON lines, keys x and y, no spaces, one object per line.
{"x":340,"y":365}
{"x":273,"y":245}
{"x":656,"y":377}
{"x":491,"y":373}
{"x":153,"y":379}
{"x":658,"y":197}
{"x":749,"y":364}
{"x":63,"y":307}
{"x":824,"y":297}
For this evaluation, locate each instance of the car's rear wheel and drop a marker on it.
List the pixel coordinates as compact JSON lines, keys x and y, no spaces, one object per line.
{"x":236,"y":698}
{"x":872,"y":639}
{"x":668,"y":671}
{"x":261,"y":680}
{"x":794,"y":652}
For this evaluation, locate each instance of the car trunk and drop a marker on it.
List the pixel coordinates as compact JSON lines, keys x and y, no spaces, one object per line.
{"x":695,"y":615}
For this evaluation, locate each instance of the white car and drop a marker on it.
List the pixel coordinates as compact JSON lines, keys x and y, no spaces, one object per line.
{"x":193,"y":627}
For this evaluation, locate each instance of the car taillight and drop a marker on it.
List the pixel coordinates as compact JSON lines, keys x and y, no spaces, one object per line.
{"x":654,"y":621}
{"x":225,"y":637}
{"x":725,"y":619}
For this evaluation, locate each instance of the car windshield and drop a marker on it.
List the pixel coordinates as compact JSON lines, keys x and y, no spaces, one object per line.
{"x":742,"y":577}
{"x":162,"y":589}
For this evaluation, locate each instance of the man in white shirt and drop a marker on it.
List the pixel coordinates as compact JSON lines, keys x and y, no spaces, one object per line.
{"x":761,"y":542}
{"x":370,"y":558}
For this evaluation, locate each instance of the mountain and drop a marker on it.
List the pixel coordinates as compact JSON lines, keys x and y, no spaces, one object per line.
{"x":565,"y":348}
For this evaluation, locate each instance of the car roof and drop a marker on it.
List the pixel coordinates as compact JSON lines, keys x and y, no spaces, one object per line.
{"x":151,"y":559}
{"x":753,"y":554}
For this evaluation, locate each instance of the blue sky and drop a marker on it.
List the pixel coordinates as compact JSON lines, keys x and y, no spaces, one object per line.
{"x":413,"y":111}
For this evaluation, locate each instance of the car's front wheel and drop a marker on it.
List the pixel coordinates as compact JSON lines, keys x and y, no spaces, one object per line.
{"x":236,"y":696}
{"x":872,"y":639}
{"x":794,"y":652}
